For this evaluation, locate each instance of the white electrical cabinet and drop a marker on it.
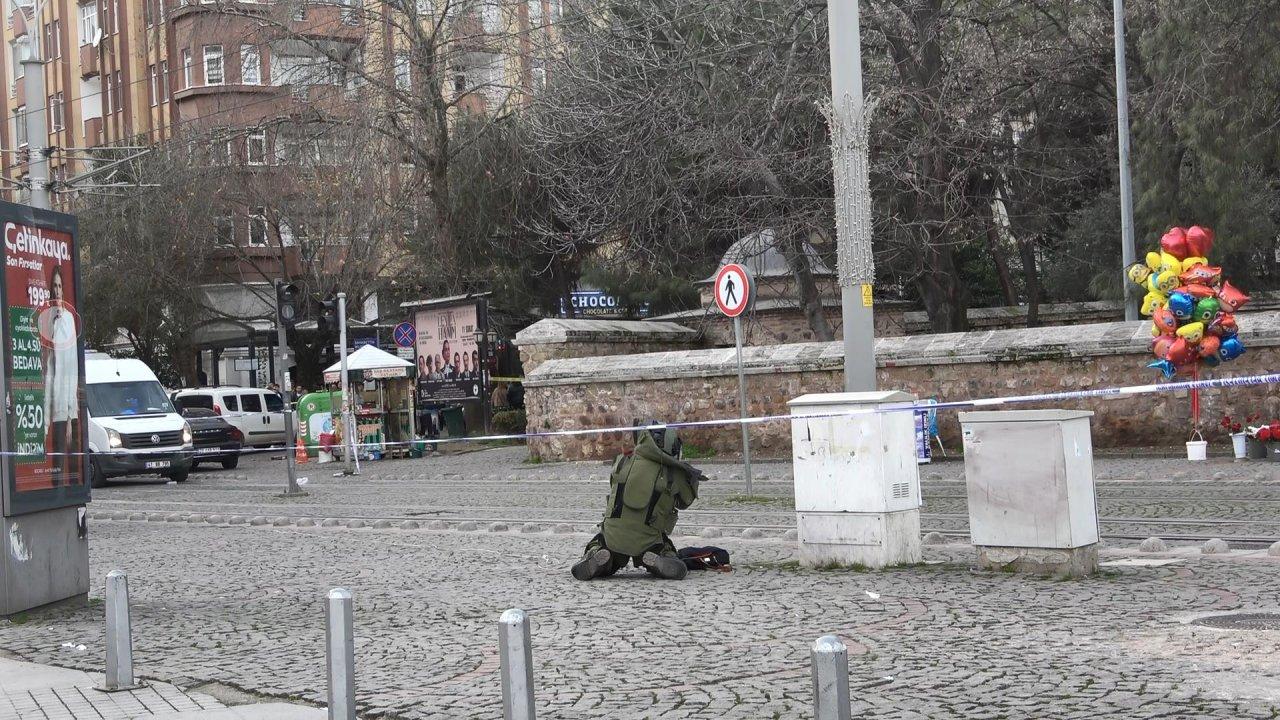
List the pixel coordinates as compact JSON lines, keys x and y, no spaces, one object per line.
{"x":1030,"y":478}
{"x":857,"y":483}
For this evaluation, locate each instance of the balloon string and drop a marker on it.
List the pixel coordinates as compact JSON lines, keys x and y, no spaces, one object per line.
{"x":1195,"y":398}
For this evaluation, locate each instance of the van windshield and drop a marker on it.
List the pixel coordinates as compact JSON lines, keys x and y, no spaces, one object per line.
{"x":138,"y":397}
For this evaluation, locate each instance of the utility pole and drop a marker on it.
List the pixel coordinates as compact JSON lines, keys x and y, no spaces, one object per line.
{"x":348,"y":426}
{"x":850,"y":123}
{"x":286,"y":315}
{"x":37,"y":123}
{"x":1127,"y":250}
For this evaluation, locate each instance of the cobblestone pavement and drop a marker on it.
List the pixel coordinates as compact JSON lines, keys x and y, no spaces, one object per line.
{"x":241,"y":604}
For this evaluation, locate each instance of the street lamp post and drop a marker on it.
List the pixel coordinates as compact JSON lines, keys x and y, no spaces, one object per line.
{"x":37,"y":123}
{"x":1127,"y":251}
{"x":849,"y":131}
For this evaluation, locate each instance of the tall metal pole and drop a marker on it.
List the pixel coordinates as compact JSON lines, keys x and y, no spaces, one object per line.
{"x":282,"y":371}
{"x":37,"y":123}
{"x":855,"y":265}
{"x":742,"y":404}
{"x":1127,"y":250}
{"x":348,"y":427}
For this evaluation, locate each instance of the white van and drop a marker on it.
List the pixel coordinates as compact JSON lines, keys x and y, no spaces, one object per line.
{"x":257,"y":413}
{"x":133,"y":428}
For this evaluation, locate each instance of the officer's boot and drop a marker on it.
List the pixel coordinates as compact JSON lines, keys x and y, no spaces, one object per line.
{"x":595,"y":564}
{"x":666,"y":567}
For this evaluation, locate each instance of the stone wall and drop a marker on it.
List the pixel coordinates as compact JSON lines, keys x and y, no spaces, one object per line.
{"x":702,"y":385}
{"x":556,"y":338}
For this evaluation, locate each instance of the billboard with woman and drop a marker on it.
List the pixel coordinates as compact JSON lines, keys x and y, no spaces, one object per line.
{"x":44,"y":362}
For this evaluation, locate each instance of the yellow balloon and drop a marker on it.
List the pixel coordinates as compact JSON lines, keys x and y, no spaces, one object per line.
{"x":1186,"y":264}
{"x":1139,"y":273}
{"x":1169,"y":263}
{"x":1153,"y":260}
{"x":1153,"y":301}
{"x":1192,"y":332}
{"x":1167,"y":281}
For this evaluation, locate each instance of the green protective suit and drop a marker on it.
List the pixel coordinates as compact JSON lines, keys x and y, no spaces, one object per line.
{"x":646,"y":490}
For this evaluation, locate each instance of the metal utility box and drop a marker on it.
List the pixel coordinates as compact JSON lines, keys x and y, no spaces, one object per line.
{"x":1030,"y":486}
{"x":857,"y":483}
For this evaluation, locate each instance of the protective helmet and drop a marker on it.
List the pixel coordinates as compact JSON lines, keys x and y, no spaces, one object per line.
{"x":665,"y":438}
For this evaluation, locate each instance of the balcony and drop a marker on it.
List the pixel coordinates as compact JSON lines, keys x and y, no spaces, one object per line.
{"x":93,"y":132}
{"x":89,"y":66}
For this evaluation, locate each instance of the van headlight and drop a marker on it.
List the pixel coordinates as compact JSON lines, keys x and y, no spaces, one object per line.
{"x":113,"y":439}
{"x":187,"y":437}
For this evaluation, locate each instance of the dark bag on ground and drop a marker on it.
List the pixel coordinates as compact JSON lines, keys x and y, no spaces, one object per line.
{"x":704,"y":558}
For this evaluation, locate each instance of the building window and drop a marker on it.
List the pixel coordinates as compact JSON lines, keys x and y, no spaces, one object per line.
{"x":212,"y":64}
{"x":224,"y":229}
{"x":491,"y":16}
{"x":109,"y":15}
{"x":256,"y":147}
{"x":300,"y":10}
{"x":153,"y":89}
{"x":53,"y":39}
{"x":402,"y":71}
{"x":55,"y":112}
{"x":539,"y":77}
{"x":250,"y":65}
{"x":164,"y":81}
{"x":119,"y":91}
{"x":460,"y":84}
{"x":186,"y":69}
{"x":535,"y":14}
{"x":20,"y":123}
{"x":89,"y":24}
{"x":108,"y":97}
{"x":258,"y":227}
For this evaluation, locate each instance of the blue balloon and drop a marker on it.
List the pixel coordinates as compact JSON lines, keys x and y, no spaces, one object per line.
{"x":1211,"y":361}
{"x":1231,"y":348}
{"x":1165,"y":367}
{"x":1181,"y":305}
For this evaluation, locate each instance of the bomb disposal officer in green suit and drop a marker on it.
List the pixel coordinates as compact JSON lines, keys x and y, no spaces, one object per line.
{"x":646,"y":489}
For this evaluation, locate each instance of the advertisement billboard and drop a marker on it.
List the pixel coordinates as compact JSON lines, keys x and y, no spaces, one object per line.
{"x":44,"y":362}
{"x":449,"y":353}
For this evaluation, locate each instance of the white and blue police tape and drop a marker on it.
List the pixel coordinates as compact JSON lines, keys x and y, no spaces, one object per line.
{"x":916,"y":406}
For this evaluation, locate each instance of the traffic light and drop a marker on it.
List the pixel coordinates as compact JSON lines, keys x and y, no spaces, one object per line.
{"x":327,"y":318}
{"x":287,"y":303}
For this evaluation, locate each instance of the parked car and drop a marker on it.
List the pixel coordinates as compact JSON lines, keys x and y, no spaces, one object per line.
{"x":133,"y":428}
{"x":257,"y":413}
{"x":216,"y":440}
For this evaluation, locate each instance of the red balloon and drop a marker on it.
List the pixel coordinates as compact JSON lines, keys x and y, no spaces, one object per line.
{"x":1209,"y":345}
{"x":1201,"y":275}
{"x":1199,"y":241}
{"x":1231,"y":297}
{"x":1264,"y":434}
{"x":1181,"y":352}
{"x":1198,"y":292}
{"x":1174,"y":242}
{"x":1165,"y":321}
{"x":1224,"y":325}
{"x":1160,"y":347}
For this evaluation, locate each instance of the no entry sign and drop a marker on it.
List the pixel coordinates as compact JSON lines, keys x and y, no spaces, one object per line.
{"x":733,"y":290}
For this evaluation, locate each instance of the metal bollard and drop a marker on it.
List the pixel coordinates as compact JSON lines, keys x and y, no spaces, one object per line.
{"x":119,"y":634}
{"x":830,"y":679}
{"x":340,"y":642}
{"x":517,"y":665}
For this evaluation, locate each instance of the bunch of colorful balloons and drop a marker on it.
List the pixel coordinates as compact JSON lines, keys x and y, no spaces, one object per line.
{"x":1190,"y":305}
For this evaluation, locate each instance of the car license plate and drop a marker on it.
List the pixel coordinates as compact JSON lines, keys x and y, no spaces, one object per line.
{"x":157,"y":464}
{"x":208,"y":451}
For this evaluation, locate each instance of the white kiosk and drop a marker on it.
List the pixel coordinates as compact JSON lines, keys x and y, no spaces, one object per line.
{"x":857,"y":483}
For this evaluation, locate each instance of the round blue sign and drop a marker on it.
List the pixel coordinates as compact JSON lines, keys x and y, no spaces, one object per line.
{"x":405,"y":335}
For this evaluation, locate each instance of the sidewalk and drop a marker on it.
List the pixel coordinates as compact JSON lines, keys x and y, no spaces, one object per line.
{"x":28,"y":690}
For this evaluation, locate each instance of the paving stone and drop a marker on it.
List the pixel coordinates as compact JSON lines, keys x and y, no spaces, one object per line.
{"x":497,"y":527}
{"x":281,"y":521}
{"x":259,"y":520}
{"x":409,"y":525}
{"x":356,"y":524}
{"x":467,"y":526}
{"x":1274,"y":550}
{"x":236,"y":520}
{"x":712,"y":532}
{"x":195,"y":518}
{"x":305,"y":522}
{"x":331,"y":522}
{"x":752,"y":533}
{"x":562,"y":528}
{"x":933,"y":538}
{"x":531,"y":528}
{"x":381,"y":524}
{"x":437,"y":525}
{"x":215,"y":519}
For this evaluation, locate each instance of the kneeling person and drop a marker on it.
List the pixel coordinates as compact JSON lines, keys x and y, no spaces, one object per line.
{"x":646,"y":489}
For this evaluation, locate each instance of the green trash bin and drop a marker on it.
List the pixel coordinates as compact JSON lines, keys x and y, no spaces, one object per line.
{"x":453,"y":421}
